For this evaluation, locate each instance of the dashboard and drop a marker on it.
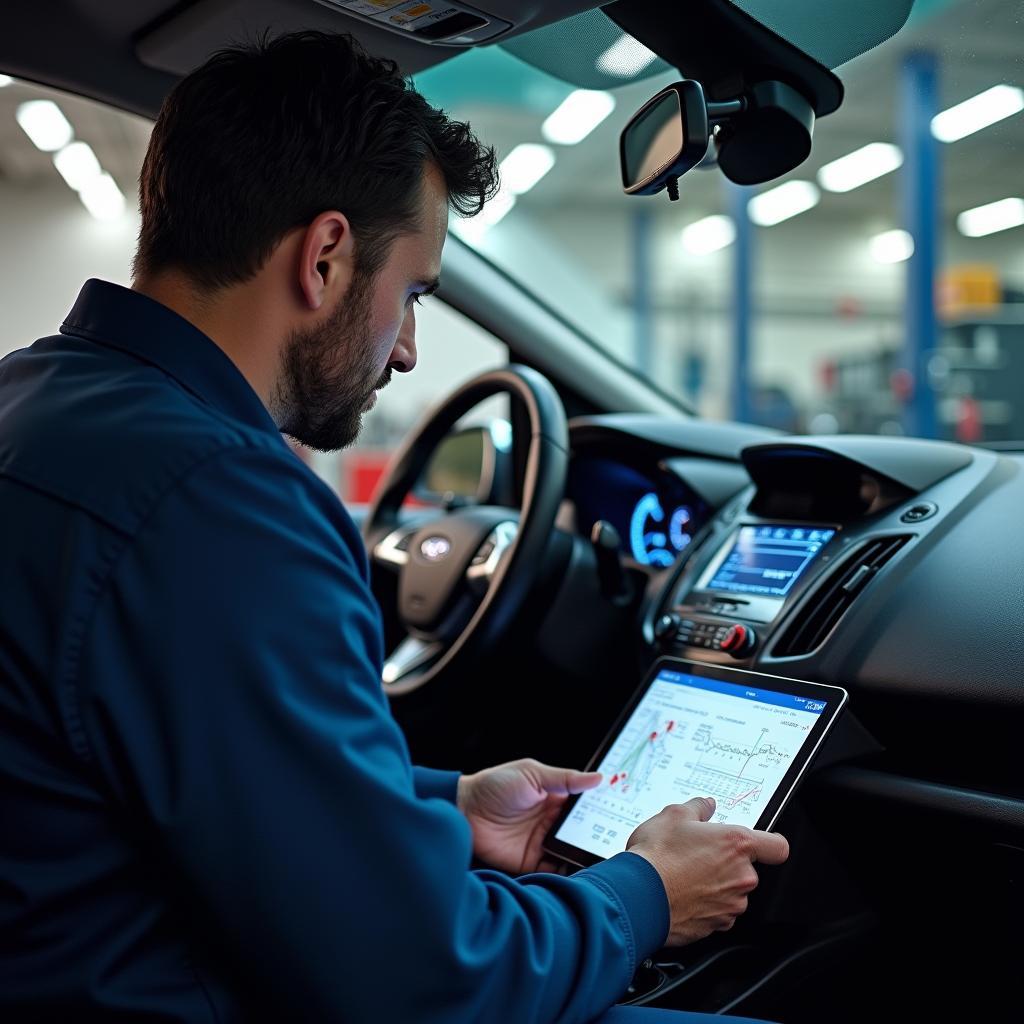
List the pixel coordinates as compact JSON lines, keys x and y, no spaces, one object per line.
{"x":889,"y":566}
{"x":655,"y":513}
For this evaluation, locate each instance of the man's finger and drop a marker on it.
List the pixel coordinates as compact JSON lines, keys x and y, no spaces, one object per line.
{"x":770,"y":848}
{"x":698,"y":808}
{"x":567,"y":780}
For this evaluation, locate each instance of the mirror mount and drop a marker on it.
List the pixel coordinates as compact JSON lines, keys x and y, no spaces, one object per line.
{"x":758,"y":135}
{"x":717,"y":113}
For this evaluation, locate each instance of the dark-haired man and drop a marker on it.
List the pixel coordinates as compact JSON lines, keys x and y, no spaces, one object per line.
{"x":208,"y":813}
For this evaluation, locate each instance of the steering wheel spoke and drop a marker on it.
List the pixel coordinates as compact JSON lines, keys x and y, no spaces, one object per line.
{"x":410,"y":657}
{"x":485,"y":562}
{"x":392,"y":550}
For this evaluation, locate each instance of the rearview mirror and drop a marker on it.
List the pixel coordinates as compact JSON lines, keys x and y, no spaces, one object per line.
{"x":664,"y":139}
{"x":757,"y":136}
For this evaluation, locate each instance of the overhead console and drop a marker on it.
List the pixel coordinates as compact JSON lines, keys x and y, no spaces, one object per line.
{"x":417,"y":35}
{"x":447,"y":22}
{"x":822,"y":515}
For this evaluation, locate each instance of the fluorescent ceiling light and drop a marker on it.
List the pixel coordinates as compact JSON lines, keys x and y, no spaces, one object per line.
{"x":708,"y":235}
{"x":77,"y":164}
{"x":5,"y":80}
{"x":860,"y":166}
{"x":781,"y":203}
{"x":102,"y":198}
{"x":473,"y":229}
{"x":525,"y":166}
{"x":577,"y":116}
{"x":892,"y":246}
{"x":986,"y":220}
{"x":45,"y":125}
{"x":978,"y":112}
{"x":625,"y":58}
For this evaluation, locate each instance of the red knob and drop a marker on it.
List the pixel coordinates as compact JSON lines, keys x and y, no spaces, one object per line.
{"x":739,"y":641}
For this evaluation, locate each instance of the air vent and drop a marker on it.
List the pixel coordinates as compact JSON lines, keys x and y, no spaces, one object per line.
{"x":830,"y":602}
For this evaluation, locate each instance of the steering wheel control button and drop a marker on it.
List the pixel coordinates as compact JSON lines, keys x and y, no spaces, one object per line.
{"x":919,"y":511}
{"x":739,"y":641}
{"x":484,"y":553}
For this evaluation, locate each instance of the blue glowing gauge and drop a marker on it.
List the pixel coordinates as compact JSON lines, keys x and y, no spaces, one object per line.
{"x":648,"y":537}
{"x":679,"y":528}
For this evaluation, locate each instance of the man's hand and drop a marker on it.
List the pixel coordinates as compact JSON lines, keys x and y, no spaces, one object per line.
{"x":707,"y":869}
{"x":512,"y":806}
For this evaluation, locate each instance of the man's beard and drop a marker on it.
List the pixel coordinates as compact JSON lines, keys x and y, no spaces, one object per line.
{"x":328,"y":374}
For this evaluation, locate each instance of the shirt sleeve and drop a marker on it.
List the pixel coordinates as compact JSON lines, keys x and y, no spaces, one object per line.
{"x":230,"y":691}
{"x":435,"y":782}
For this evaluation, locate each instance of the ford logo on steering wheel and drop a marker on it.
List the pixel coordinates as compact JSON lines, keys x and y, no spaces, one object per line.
{"x":433,"y":549}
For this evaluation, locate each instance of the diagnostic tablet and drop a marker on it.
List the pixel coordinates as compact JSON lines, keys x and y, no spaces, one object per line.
{"x":744,"y":738}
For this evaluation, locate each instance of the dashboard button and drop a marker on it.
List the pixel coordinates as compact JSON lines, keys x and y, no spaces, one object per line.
{"x":920,"y":511}
{"x":739,"y":641}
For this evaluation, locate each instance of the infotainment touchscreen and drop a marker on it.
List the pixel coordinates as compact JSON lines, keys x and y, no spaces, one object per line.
{"x":741,"y":737}
{"x":766,"y":560}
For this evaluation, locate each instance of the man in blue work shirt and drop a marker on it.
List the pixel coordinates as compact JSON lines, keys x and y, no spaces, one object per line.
{"x":208,"y":813}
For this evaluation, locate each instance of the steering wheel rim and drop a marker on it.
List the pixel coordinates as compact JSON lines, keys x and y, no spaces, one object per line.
{"x":518,"y":567}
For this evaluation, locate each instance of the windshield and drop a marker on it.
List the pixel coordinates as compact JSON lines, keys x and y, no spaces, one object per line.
{"x":799,"y":308}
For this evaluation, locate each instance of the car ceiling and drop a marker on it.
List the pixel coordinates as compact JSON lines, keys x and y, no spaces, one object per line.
{"x":130,"y":52}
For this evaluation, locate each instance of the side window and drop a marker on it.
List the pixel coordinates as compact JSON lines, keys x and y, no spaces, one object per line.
{"x":68,"y":209}
{"x":451,"y":349}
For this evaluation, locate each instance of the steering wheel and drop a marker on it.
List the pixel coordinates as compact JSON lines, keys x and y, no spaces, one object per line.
{"x":464,"y":574}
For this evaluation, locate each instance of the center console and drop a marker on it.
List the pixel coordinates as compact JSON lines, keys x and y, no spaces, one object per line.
{"x":790,"y":553}
{"x":743,"y":587}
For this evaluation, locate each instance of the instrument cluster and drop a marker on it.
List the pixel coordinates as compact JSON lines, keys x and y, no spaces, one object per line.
{"x":654,"y":512}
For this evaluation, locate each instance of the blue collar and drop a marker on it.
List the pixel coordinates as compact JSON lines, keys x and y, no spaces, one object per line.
{"x":134,"y":323}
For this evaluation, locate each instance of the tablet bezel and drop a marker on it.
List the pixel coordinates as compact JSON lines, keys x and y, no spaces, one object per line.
{"x":835,"y":697}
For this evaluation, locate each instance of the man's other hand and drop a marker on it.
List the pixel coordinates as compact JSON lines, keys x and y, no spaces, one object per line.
{"x":512,"y":806}
{"x":708,"y":869}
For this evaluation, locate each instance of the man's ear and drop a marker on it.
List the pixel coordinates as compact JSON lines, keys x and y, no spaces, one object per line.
{"x":326,"y":259}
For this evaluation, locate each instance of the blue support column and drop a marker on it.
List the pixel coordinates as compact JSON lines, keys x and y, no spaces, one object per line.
{"x":921,"y":191}
{"x":643,"y":311}
{"x":742,"y":302}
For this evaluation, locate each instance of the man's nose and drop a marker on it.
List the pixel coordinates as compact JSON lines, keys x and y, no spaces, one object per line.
{"x":403,"y":355}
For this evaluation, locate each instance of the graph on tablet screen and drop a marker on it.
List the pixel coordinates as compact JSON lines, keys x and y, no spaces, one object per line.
{"x":692,"y":736}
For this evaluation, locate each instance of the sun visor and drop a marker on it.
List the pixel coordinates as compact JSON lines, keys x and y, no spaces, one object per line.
{"x":415,"y":33}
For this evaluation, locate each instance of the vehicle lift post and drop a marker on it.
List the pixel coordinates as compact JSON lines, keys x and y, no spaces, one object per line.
{"x":920,"y":188}
{"x":643,"y":309}
{"x":742,"y":301}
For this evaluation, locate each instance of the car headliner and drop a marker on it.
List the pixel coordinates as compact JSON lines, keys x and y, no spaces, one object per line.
{"x":97,"y":49}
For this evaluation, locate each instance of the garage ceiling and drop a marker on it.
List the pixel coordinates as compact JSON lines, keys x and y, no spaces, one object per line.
{"x":977,"y":43}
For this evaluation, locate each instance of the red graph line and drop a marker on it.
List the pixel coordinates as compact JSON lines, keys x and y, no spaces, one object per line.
{"x":744,"y":797}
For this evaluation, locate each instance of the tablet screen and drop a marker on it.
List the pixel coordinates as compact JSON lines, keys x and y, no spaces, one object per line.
{"x":690,"y":735}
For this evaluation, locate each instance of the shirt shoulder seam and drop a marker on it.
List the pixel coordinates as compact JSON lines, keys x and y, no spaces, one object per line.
{"x":224,"y":418}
